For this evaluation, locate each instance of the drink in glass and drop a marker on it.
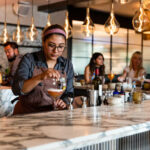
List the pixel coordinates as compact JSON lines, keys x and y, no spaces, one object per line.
{"x":137,"y":97}
{"x":55,"y":93}
{"x":111,"y":76}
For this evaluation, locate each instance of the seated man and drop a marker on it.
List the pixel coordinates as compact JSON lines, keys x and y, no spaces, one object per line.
{"x":13,"y":56}
{"x":12,"y":53}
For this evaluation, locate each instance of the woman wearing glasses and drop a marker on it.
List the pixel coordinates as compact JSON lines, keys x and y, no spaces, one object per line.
{"x":35,"y":73}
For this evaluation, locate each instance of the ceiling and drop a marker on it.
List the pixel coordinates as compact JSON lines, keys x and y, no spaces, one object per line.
{"x":100,"y":5}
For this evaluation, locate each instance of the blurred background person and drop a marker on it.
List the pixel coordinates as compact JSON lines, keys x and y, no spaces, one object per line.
{"x":135,"y":71}
{"x":97,"y":60}
{"x":13,"y":56}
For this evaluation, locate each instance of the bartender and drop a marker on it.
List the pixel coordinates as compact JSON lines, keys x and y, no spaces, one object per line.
{"x":37,"y":70}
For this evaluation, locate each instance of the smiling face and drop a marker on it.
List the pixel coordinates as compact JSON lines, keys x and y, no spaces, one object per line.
{"x":54,"y":46}
{"x":99,"y":61}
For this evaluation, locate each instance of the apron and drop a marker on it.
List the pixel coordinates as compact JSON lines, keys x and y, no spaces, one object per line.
{"x":38,"y":99}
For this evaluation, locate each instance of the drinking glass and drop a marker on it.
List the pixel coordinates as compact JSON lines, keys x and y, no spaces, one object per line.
{"x":111,"y":76}
{"x":137,"y":97}
{"x":142,"y":80}
{"x":56,"y":92}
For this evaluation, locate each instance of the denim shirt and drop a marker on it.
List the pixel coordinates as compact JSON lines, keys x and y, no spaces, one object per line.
{"x":27,"y":65}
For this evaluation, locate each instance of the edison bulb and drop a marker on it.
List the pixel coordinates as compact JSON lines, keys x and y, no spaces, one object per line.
{"x":140,"y":20}
{"x":32,"y":32}
{"x":5,"y":35}
{"x":18,"y":35}
{"x":111,"y":25}
{"x":88,"y":25}
{"x":48,"y":21}
{"x":67,"y":27}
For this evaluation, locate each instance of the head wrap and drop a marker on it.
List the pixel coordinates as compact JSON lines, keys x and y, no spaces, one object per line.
{"x":53,"y":31}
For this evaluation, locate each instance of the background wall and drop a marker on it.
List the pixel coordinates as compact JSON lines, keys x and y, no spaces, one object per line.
{"x":40,"y":19}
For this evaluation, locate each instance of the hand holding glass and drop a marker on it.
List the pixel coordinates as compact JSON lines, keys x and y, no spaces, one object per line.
{"x":56,"y":92}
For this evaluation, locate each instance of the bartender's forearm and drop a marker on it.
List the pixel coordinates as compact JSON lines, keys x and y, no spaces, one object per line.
{"x":30,"y":84}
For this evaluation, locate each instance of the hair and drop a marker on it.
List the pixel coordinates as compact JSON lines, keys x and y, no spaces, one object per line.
{"x":139,"y":54}
{"x":14,"y":45}
{"x":50,"y":28}
{"x":92,"y":64}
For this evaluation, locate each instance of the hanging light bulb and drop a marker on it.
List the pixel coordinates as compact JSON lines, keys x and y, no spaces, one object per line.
{"x":5,"y":36}
{"x":48,"y":20}
{"x":18,"y":35}
{"x":88,"y":25}
{"x":122,"y":1}
{"x":48,"y":17}
{"x":112,"y":25}
{"x":32,"y":32}
{"x":67,"y":26}
{"x":140,"y":20}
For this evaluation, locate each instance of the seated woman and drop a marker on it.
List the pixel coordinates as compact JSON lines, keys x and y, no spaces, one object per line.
{"x":135,"y":71}
{"x":38,"y":70}
{"x":97,"y":60}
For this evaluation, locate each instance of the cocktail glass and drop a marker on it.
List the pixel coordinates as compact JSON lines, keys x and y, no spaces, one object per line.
{"x":57,"y":91}
{"x":111,"y":76}
{"x":55,"y":94}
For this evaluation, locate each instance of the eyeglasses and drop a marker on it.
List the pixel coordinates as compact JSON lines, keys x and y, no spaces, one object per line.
{"x":60,"y":48}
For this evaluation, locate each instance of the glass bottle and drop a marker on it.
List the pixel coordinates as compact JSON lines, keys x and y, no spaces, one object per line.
{"x":115,"y":91}
{"x":122,"y":94}
{"x":97,"y":82}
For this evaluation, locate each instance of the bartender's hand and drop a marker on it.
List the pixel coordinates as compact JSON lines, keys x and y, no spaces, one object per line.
{"x":60,"y":104}
{"x":50,"y":73}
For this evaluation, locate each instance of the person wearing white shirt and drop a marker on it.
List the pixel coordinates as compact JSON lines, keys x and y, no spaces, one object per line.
{"x":135,"y":71}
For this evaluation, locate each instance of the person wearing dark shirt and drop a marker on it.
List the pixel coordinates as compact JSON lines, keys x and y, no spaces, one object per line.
{"x":97,"y":60}
{"x":36,"y":72}
{"x":13,"y":56}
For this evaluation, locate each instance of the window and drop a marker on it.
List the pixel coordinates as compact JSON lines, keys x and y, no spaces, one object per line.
{"x":124,"y":44}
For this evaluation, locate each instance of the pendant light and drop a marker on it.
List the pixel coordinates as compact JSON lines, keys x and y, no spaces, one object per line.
{"x":48,"y":17}
{"x":5,"y":36}
{"x":122,"y":1}
{"x":67,"y":26}
{"x":112,"y":25}
{"x":140,"y":20}
{"x":32,"y":32}
{"x":18,"y":35}
{"x":88,"y":25}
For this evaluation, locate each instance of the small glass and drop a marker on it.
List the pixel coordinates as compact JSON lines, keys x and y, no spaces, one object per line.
{"x":137,"y":97}
{"x":142,"y":80}
{"x":111,"y":76}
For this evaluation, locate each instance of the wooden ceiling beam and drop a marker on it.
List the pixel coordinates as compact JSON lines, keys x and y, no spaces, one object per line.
{"x":59,"y":5}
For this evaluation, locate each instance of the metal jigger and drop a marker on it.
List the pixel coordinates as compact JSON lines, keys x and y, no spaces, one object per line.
{"x":70,"y":103}
{"x":84,"y":99}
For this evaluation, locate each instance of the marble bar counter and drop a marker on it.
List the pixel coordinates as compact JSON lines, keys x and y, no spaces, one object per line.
{"x":77,"y":129}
